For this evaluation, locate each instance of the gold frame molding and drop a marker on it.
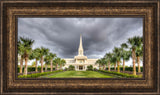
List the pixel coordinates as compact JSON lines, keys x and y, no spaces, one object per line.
{"x":11,"y":10}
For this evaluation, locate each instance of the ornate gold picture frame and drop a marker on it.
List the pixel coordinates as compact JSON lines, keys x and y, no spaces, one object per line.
{"x":12,"y":9}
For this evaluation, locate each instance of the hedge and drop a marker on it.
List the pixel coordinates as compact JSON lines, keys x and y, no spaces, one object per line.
{"x":121,"y":74}
{"x":71,"y":68}
{"x":35,"y":75}
{"x":126,"y":68}
{"x":90,"y":68}
{"x":30,"y":69}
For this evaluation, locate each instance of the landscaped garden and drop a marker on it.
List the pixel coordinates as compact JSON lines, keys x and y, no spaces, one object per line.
{"x":80,"y":74}
{"x":109,"y":66}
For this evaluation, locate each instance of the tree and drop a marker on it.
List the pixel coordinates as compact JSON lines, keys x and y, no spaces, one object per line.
{"x":108,"y":57}
{"x":21,"y":53}
{"x":35,"y":55}
{"x":62,"y":63}
{"x":123,"y":47}
{"x":57,"y":62}
{"x":139,"y":54}
{"x":90,"y":68}
{"x":33,"y":63}
{"x":71,"y":67}
{"x":50,"y":58}
{"x":102,"y":62}
{"x":99,"y":62}
{"x":27,"y":50}
{"x":113,"y":61}
{"x":125,"y":56}
{"x":117,"y":54}
{"x":47,"y":61}
{"x":42,"y":52}
{"x":135,"y":43}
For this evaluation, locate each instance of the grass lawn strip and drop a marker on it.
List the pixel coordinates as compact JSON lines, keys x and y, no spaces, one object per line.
{"x":78,"y":74}
{"x":46,"y":76}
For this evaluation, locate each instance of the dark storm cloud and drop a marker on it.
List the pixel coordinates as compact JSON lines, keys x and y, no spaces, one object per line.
{"x":61,"y":35}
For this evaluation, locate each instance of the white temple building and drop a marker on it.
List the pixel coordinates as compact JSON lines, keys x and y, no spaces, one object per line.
{"x":80,"y":61}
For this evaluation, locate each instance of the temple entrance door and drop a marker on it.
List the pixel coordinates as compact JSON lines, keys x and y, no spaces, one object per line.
{"x":80,"y":67}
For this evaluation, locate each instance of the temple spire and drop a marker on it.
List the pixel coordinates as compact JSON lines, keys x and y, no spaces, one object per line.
{"x":80,"y":50}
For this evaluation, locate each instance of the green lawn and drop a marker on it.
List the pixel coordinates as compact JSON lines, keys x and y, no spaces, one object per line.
{"x":79,"y":74}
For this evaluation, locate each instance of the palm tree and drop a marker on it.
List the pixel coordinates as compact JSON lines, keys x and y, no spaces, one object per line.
{"x":117,"y":54}
{"x":113,"y":61}
{"x":35,"y":55}
{"x":42,"y":52}
{"x":135,"y":43}
{"x":27,"y":44}
{"x":62,"y":63}
{"x":139,"y":54}
{"x":103,"y":63}
{"x":99,"y":62}
{"x":108,"y":57}
{"x":21,"y":53}
{"x":49,"y":59}
{"x":124,"y":53}
{"x":57,"y":62}
{"x":125,"y":56}
{"x":52,"y":56}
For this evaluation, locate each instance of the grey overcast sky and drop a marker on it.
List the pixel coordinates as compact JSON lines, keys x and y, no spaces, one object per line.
{"x":61,"y":35}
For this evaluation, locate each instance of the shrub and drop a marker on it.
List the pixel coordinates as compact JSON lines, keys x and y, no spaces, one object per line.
{"x":90,"y":68}
{"x":121,"y":74}
{"x":127,"y":68}
{"x":35,"y":75}
{"x":95,"y":69}
{"x":71,"y":68}
{"x":66,"y":68}
{"x":31,"y":69}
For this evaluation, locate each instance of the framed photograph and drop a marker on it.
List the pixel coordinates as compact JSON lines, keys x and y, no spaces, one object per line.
{"x":66,"y":56}
{"x":79,"y":47}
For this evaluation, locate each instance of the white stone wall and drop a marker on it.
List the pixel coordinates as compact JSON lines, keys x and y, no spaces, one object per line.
{"x":87,"y":63}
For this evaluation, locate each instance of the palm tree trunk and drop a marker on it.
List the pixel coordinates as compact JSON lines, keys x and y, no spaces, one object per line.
{"x":138,"y":61}
{"x":123,"y":65}
{"x":25,"y":69}
{"x":21,"y":64}
{"x":109,"y":66}
{"x":115,"y":67}
{"x":133,"y":58}
{"x":103,"y":67}
{"x":46,"y":67}
{"x":51,"y":66}
{"x":42,"y":64}
{"x":61,"y":66}
{"x":118,"y":63}
{"x":36,"y":65}
{"x":56,"y":66}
